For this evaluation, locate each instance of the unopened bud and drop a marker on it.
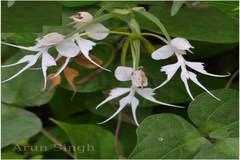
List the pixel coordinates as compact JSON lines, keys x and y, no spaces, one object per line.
{"x":81,"y":18}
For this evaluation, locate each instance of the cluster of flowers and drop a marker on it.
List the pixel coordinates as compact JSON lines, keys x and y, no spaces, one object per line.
{"x":71,"y":47}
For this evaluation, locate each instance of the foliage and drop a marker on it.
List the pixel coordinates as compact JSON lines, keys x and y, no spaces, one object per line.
{"x":62,"y":122}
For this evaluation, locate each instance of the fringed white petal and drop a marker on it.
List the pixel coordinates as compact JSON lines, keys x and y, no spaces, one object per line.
{"x":181,"y":44}
{"x":193,"y":77}
{"x":123,"y":73}
{"x":68,"y":48}
{"x":122,"y":103}
{"x":134,"y":104}
{"x":33,"y":48}
{"x":27,"y":58}
{"x":30,"y":59}
{"x":148,"y":93}
{"x":47,"y":61}
{"x":185,"y":77}
{"x":170,"y":70}
{"x":58,"y":57}
{"x":163,"y":52}
{"x":97,"y":28}
{"x":198,"y":66}
{"x":85,"y":46}
{"x":114,"y":93}
{"x":63,"y":67}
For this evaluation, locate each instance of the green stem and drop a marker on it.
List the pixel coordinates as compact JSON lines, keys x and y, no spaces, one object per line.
{"x":136,"y":45}
{"x":134,"y":58}
{"x":124,"y":51}
{"x":157,"y":36}
{"x":133,"y":35}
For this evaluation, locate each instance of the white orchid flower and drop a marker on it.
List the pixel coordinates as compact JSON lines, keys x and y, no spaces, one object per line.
{"x":70,"y":48}
{"x":42,"y":46}
{"x":138,"y":79}
{"x":179,"y":46}
{"x":81,"y":18}
{"x":79,"y":44}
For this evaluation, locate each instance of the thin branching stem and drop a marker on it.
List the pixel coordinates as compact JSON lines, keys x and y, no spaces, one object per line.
{"x":231,"y":79}
{"x":56,"y":141}
{"x":117,"y":131}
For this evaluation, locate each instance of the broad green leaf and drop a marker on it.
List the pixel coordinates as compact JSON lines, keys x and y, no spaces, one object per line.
{"x":37,"y":157}
{"x":24,"y":39}
{"x":225,"y":149}
{"x":90,"y":141}
{"x":30,"y":16}
{"x":218,"y":119}
{"x":231,"y":8}
{"x":63,"y":102}
{"x":167,"y":136}
{"x":176,"y":6}
{"x":77,"y":3}
{"x":11,"y":155}
{"x":212,"y":25}
{"x":203,"y":50}
{"x":18,"y":124}
{"x":24,"y":89}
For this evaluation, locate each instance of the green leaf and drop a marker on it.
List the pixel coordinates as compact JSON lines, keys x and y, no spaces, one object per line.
{"x":30,"y":16}
{"x":18,"y":124}
{"x":77,"y":3}
{"x":167,"y":136}
{"x":150,"y":49}
{"x":212,"y":25}
{"x":90,"y":141}
{"x":11,"y":155}
{"x":155,"y":20}
{"x":219,"y":119}
{"x":24,"y":89}
{"x":231,"y":8}
{"x":58,"y":107}
{"x":226,"y":149}
{"x":176,"y":6}
{"x":124,"y":51}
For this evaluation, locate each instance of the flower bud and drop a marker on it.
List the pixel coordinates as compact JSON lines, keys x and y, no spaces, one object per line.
{"x":81,"y":18}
